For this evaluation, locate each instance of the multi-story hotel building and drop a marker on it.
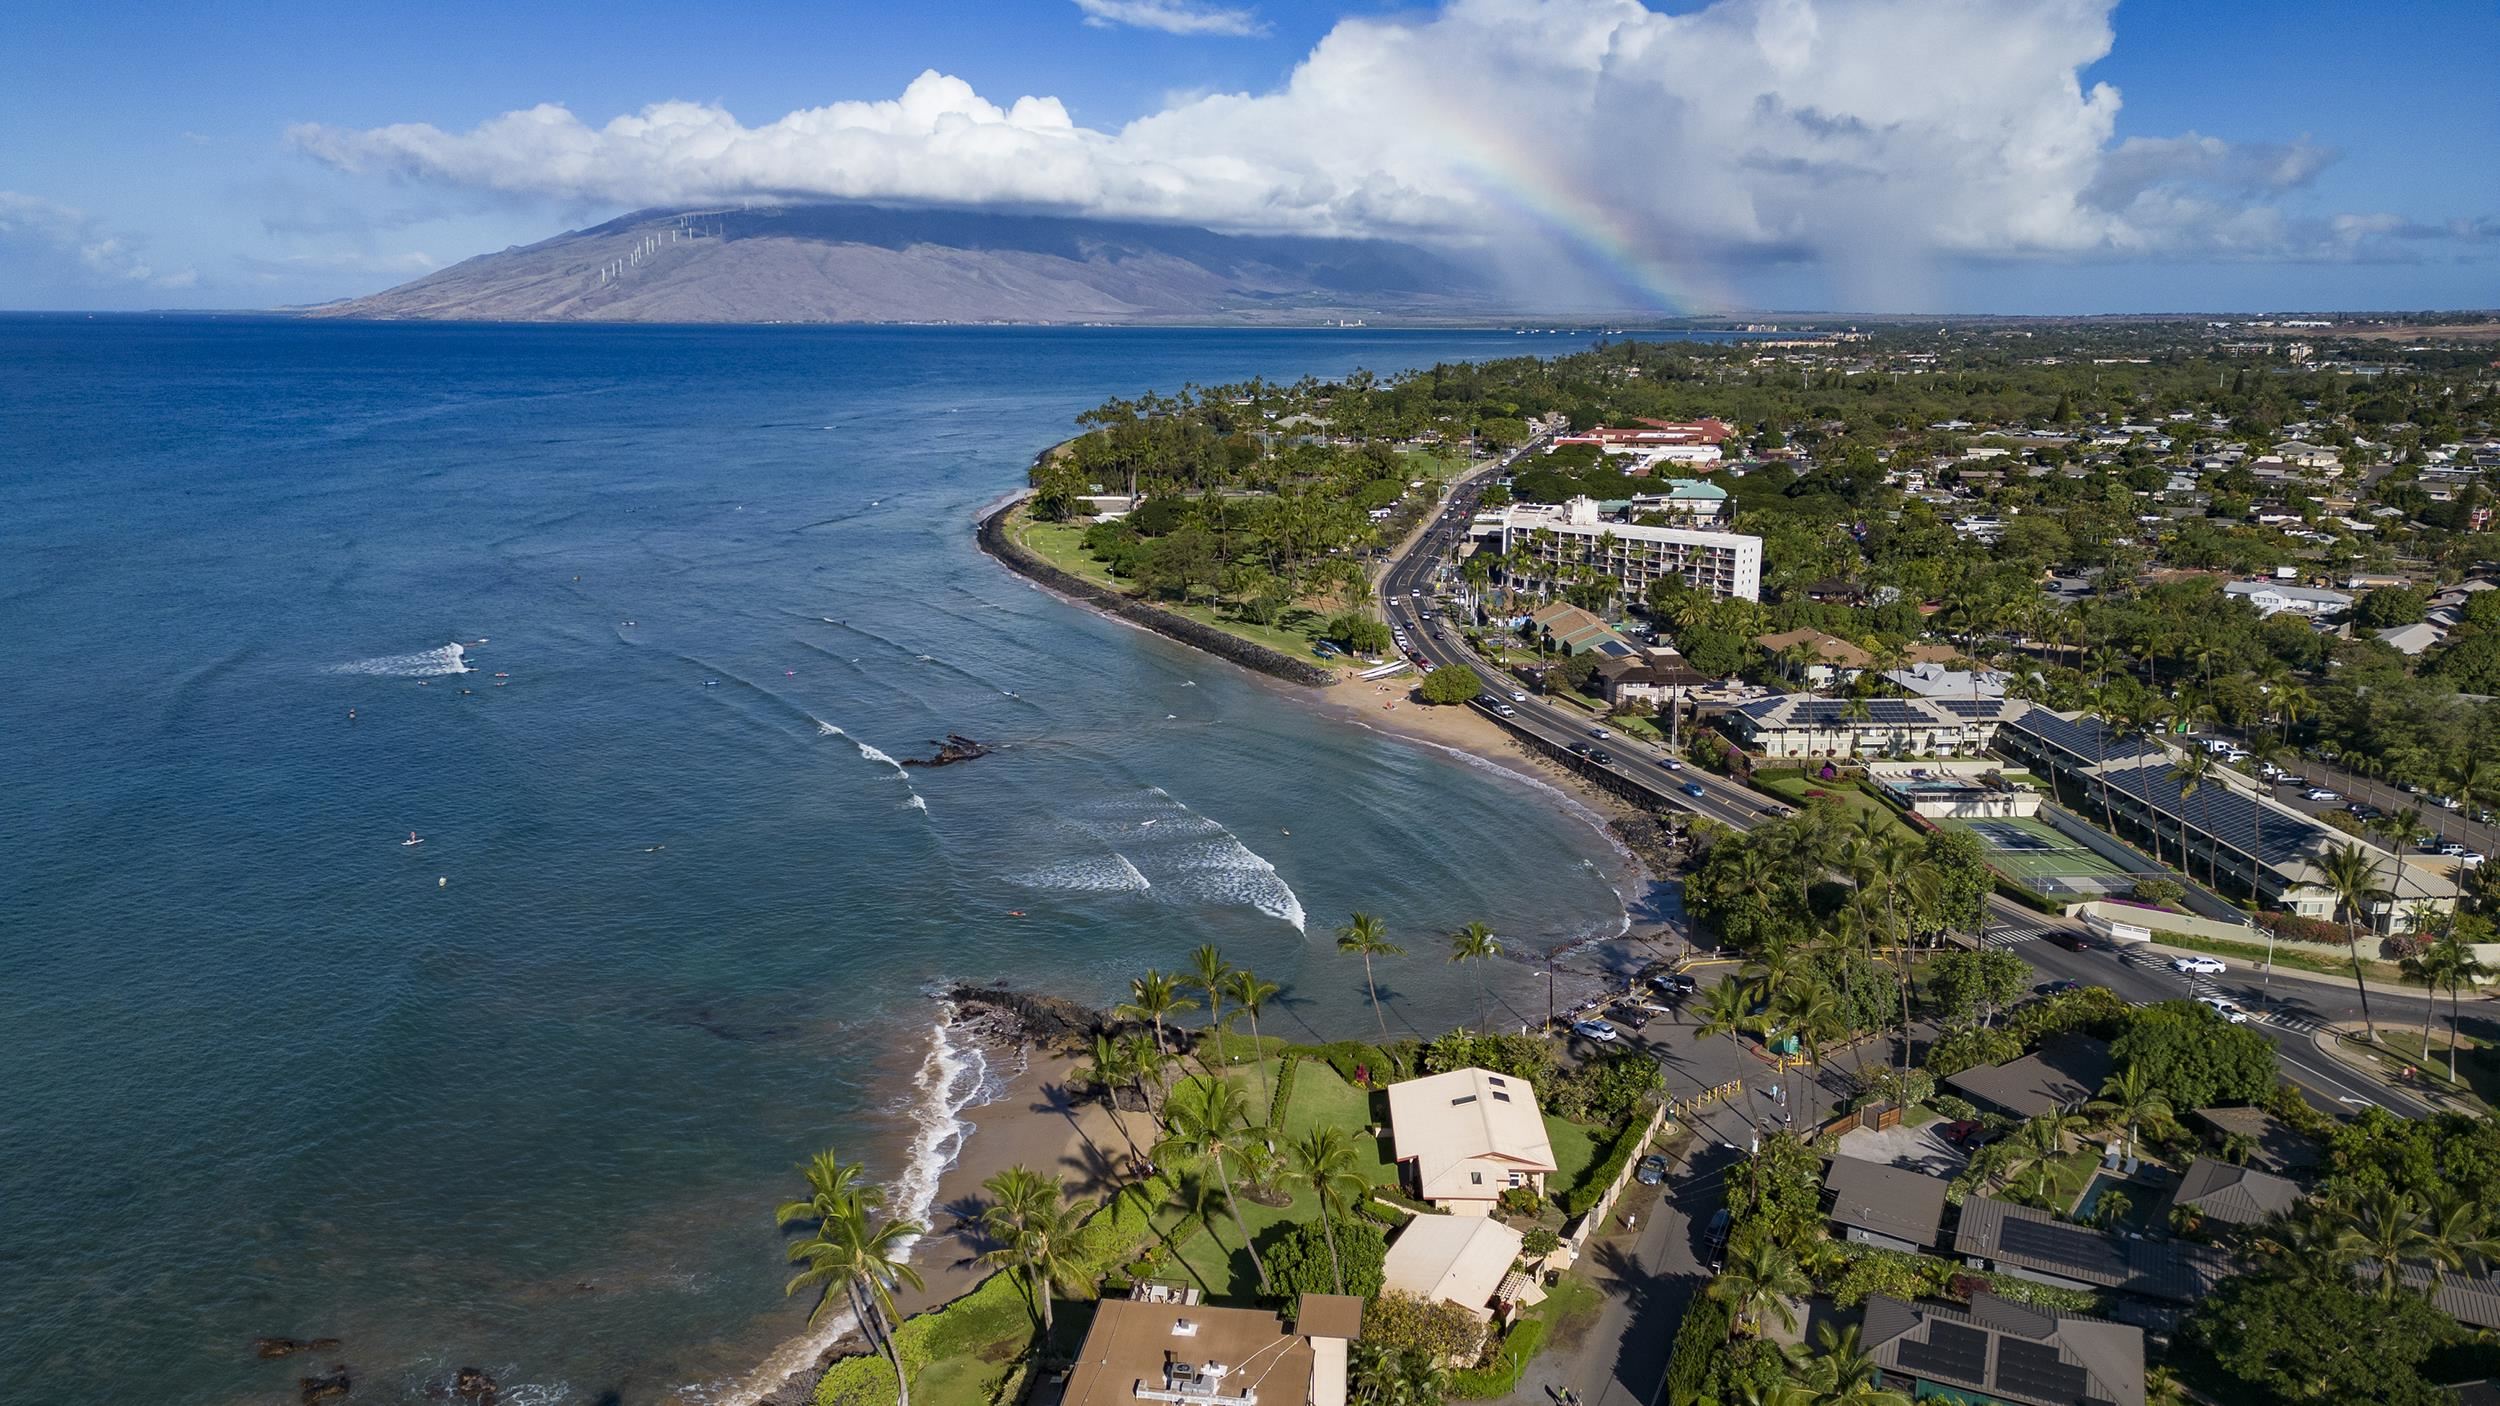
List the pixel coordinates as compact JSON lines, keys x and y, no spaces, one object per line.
{"x":1550,"y":545}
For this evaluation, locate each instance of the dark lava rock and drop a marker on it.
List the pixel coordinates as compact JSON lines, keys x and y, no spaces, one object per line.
{"x":318,"y":1389}
{"x":956,"y":748}
{"x":475,"y":1384}
{"x":1045,"y":1020}
{"x":266,"y":1348}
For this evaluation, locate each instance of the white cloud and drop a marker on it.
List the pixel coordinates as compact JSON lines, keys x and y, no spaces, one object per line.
{"x":1173,"y":17}
{"x":1872,"y":136}
{"x":99,"y":256}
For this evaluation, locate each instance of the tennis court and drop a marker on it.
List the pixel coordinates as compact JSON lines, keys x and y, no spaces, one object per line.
{"x":2032,"y":854}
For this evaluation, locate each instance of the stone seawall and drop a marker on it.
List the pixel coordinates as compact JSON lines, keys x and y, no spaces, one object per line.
{"x":998,"y":542}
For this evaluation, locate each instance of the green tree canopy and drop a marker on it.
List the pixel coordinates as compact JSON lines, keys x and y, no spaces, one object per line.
{"x":1452,"y":683}
{"x":1298,"y":1263}
{"x":2195,"y":1057}
{"x":2297,"y":1343}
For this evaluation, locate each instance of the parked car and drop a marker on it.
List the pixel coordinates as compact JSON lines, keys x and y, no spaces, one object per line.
{"x":2198,"y":966}
{"x":1628,"y":1015}
{"x":1714,"y":1240}
{"x":1597,"y":1030}
{"x":2225,"y":1009}
{"x":2363,"y":810}
{"x":1693,"y":789}
{"x":2454,"y":851}
{"x":1675,"y":983}
{"x":1651,"y":1171}
{"x":1964,"y":1134}
{"x":2319,"y":793}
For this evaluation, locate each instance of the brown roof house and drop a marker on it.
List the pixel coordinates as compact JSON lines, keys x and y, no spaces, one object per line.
{"x":1886,"y":1206}
{"x":2233,"y":1195}
{"x":1467,"y":1136}
{"x":2062,"y":1077}
{"x":1155,"y":1350}
{"x":1832,"y":658}
{"x":2032,"y":1244}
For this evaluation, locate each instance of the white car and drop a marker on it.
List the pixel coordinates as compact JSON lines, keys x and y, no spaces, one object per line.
{"x":2198,"y":966}
{"x":2224,"y":1009}
{"x":2455,"y":851}
{"x":1600,"y":733}
{"x":1517,"y":697}
{"x":1597,"y":1030}
{"x":2319,"y":793}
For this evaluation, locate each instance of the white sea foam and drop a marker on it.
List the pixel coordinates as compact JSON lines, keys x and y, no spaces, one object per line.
{"x":424,"y":664}
{"x":1227,"y":871}
{"x":918,"y":803}
{"x":1175,"y":850}
{"x":1111,"y":874}
{"x":952,"y":1079}
{"x":874,"y":755}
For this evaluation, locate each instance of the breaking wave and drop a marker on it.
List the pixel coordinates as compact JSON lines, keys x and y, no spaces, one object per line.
{"x":1114,"y":874}
{"x":1181,"y":854}
{"x":424,"y":664}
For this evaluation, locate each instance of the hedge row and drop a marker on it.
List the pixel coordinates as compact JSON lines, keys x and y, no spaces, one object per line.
{"x":1595,"y":1180}
{"x":1695,"y":1357}
{"x":1502,"y":1377}
{"x":1284,"y":1089}
{"x":1349,"y":1056}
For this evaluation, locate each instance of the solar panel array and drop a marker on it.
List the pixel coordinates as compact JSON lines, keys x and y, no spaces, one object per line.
{"x":2035,"y":1370}
{"x":1952,"y":1352}
{"x":2068,"y":1247}
{"x":2084,"y":738}
{"x":2232,"y":817}
{"x":1971,"y":707}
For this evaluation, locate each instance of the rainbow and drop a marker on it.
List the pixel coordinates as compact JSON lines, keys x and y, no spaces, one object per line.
{"x":1527,"y":185}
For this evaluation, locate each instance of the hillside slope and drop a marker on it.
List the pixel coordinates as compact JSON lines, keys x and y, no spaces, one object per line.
{"x":852,"y":263}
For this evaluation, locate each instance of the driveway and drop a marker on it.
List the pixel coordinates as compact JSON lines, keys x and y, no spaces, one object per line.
{"x":1919,"y":1149}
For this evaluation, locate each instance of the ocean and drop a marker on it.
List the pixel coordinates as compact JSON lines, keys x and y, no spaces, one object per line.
{"x":630,"y":626}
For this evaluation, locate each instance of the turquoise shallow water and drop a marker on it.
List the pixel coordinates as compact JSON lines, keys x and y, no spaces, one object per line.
{"x":522,"y":1096}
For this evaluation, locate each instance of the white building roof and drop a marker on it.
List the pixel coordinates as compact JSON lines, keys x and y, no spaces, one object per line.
{"x":1444,"y":1121}
{"x":1458,"y":1258}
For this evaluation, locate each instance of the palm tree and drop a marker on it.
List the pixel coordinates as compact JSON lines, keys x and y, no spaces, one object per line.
{"x":2131,"y":1098}
{"x":1146,"y":1063}
{"x":2462,"y":970}
{"x":1809,"y":1010}
{"x":1036,"y":1227}
{"x":1840,"y":1372}
{"x":1155,"y":997}
{"x":1760,"y":1278}
{"x":1324,"y":1160}
{"x":1725,"y":1009}
{"x":2460,"y":1234}
{"x":1211,"y":974}
{"x":1368,"y":937}
{"x":2192,"y":771}
{"x":2352,"y":876}
{"x":1252,"y":996}
{"x":862,"y":1258}
{"x":2383,"y":1230}
{"x":2429,"y":967}
{"x":1209,"y":1125}
{"x":832,"y":1186}
{"x":1474,"y":943}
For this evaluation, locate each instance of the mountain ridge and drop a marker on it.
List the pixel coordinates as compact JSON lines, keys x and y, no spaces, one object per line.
{"x":843,"y":263}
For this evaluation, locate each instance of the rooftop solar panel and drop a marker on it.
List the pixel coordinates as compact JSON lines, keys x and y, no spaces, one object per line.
{"x":2061,"y":1245}
{"x":2034,"y":1370}
{"x":1952,"y":1351}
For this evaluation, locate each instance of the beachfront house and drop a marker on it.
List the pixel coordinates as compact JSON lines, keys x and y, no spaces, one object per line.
{"x":1465,"y":1137}
{"x":1158,"y":1349}
{"x":1470,"y":1261}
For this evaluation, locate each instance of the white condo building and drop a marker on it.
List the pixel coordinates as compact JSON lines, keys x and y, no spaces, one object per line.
{"x":1574,"y":534}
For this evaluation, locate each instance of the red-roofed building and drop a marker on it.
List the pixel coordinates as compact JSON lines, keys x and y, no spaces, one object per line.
{"x":1655,"y":441}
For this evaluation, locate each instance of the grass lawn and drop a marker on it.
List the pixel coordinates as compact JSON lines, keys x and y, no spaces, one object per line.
{"x":1569,"y":1308}
{"x":1576,"y":1149}
{"x":1062,"y":544}
{"x":2478,"y":1066}
{"x":2072,"y":1173}
{"x":1792,"y":786}
{"x":1425,"y":464}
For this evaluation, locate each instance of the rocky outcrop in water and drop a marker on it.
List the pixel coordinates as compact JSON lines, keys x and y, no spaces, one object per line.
{"x":266,"y":1348}
{"x":475,"y":1384}
{"x":319,"y":1389}
{"x":956,"y":748}
{"x":1047,"y":1021}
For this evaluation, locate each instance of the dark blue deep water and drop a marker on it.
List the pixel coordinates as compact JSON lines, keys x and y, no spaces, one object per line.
{"x":265,"y":1070}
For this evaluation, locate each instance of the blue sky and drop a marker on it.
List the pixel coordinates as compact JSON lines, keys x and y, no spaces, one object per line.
{"x":1878,"y":155}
